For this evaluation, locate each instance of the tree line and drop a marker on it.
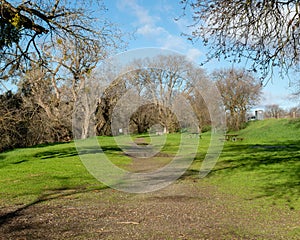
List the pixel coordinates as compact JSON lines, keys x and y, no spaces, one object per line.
{"x":41,"y":110}
{"x":275,"y":111}
{"x":51,"y":49}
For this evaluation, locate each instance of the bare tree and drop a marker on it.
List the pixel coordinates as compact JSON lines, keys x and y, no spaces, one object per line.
{"x":12,"y":121}
{"x":274,"y":111}
{"x":28,"y":26}
{"x":40,"y":95}
{"x":294,"y":112}
{"x":106,"y":104}
{"x":163,"y":81}
{"x":24,"y":122}
{"x":203,"y":97}
{"x":61,"y":60}
{"x":165,"y":90}
{"x":74,"y":65}
{"x":266,"y":32}
{"x":57,"y":90}
{"x":239,"y":91}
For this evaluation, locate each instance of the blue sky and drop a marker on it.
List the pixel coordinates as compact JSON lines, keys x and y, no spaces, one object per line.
{"x":153,"y":25}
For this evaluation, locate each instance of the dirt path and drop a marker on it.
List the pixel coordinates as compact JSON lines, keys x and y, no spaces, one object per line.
{"x":142,"y":164}
{"x":188,"y":209}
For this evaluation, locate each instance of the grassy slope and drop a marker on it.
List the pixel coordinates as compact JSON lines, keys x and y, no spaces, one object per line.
{"x":265,"y":166}
{"x":32,"y":173}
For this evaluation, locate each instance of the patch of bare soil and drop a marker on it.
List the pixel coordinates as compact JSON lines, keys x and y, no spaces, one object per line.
{"x":187,"y":209}
{"x":149,"y":164}
{"x":151,"y":160}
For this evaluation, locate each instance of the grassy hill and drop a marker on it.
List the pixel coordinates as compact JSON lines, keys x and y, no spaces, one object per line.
{"x":264,"y":167}
{"x":272,"y":131}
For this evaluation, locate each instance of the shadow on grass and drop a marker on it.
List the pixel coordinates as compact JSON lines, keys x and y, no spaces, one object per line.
{"x":276,"y":167}
{"x":64,"y":152}
{"x":65,"y":189}
{"x":72,"y":151}
{"x":253,"y":156}
{"x":60,"y":153}
{"x":49,"y":144}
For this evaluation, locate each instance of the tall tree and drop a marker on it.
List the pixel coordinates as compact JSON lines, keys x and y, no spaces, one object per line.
{"x":239,"y":91}
{"x":160,"y":84}
{"x":54,"y":105}
{"x":266,"y":32}
{"x":12,"y":121}
{"x":164,"y":81}
{"x":57,"y":89}
{"x":53,"y":48}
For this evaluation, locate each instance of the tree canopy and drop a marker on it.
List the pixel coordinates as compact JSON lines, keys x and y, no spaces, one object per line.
{"x":28,"y":29}
{"x":265,"y":32}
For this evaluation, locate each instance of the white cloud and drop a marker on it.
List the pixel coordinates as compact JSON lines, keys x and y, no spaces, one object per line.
{"x":172,"y":42}
{"x":164,"y":6}
{"x":148,"y":26}
{"x":150,"y":30}
{"x":140,"y":12}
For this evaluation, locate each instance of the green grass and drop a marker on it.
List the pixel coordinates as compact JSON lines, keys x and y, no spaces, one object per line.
{"x":264,"y":167}
{"x":29,"y":174}
{"x":272,"y":131}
